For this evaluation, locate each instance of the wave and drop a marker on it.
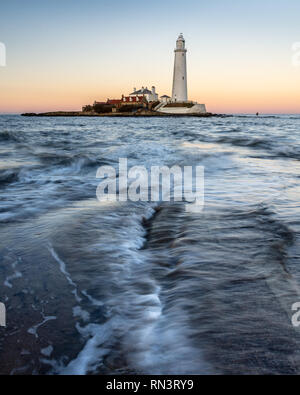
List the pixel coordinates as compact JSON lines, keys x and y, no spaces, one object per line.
{"x":8,"y":176}
{"x":271,"y":148}
{"x":292,"y":153}
{"x":244,"y":141}
{"x":134,"y":335}
{"x":10,"y":136}
{"x":78,"y":160}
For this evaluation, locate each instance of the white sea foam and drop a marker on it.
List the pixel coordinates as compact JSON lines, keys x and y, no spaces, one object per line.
{"x":15,"y":276}
{"x":34,"y":330}
{"x":78,"y":312}
{"x":94,"y":350}
{"x":137,"y":323}
{"x":93,"y":301}
{"x":63,"y":269}
{"x":47,"y":351}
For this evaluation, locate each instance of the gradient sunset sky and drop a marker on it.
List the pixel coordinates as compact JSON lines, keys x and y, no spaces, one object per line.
{"x":62,"y":54}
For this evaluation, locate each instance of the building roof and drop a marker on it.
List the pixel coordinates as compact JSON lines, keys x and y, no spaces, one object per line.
{"x":143,"y":91}
{"x":133,"y":99}
{"x":114,"y":101}
{"x":168,"y":97}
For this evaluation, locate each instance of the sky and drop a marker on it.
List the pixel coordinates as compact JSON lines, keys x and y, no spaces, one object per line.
{"x":62,"y":54}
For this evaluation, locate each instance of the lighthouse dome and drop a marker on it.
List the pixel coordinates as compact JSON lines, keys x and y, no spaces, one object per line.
{"x":180,"y":42}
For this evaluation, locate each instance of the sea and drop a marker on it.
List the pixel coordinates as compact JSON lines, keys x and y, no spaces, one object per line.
{"x":147,"y":287}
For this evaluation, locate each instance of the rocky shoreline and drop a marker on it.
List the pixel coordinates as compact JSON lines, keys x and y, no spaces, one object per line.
{"x":118,"y":115}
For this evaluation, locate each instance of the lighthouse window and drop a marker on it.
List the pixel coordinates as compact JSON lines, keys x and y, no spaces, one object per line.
{"x":183,"y":78}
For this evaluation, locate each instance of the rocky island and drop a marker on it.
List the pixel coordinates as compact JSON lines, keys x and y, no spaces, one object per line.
{"x":117,"y":114}
{"x":145,"y":102}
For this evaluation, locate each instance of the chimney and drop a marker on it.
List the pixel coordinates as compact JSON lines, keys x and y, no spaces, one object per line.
{"x":153,"y":90}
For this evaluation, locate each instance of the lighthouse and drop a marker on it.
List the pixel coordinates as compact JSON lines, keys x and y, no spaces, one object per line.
{"x":180,"y":75}
{"x":179,"y":103}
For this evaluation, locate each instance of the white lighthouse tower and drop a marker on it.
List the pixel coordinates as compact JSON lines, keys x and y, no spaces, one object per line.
{"x":179,"y":103}
{"x":180,"y":75}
